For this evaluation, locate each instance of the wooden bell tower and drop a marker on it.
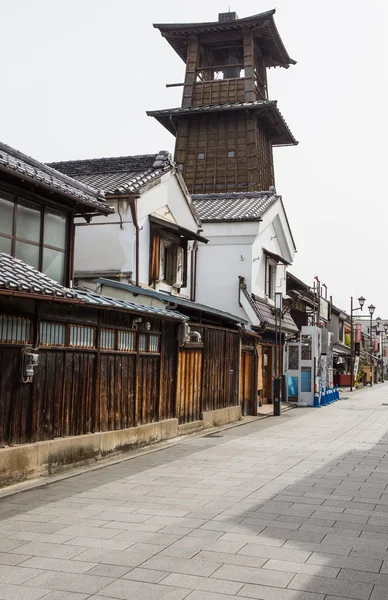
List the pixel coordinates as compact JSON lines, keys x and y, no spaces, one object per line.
{"x":227,"y":126}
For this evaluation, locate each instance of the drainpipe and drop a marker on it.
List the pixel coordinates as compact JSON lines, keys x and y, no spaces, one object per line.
{"x":193,"y":281}
{"x":133,"y":206}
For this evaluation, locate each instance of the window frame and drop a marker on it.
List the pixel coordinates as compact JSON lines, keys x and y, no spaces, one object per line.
{"x":270,"y":282}
{"x":42,"y":209}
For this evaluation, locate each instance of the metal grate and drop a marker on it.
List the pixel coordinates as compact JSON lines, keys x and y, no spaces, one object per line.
{"x":15,"y":330}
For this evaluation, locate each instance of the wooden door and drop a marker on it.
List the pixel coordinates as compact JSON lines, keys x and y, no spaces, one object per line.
{"x":188,"y":390}
{"x":247,"y":388}
{"x":267,"y":374}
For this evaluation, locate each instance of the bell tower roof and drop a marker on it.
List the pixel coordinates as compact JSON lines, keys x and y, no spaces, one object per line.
{"x":262,"y":27}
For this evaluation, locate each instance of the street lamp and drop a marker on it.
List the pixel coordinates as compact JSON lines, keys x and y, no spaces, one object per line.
{"x":361,"y":302}
{"x":278,"y":345}
{"x":371,"y":309}
{"x":383,"y":337}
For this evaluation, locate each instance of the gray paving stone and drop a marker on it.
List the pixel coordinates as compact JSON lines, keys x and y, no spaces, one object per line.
{"x":324,"y":585}
{"x":267,"y":593}
{"x":57,"y":564}
{"x":250,"y":575}
{"x":231,"y":559}
{"x":21,"y":592}
{"x":129,"y":590}
{"x":181,"y":565}
{"x":205,"y":584}
{"x":379,"y":593}
{"x":145,"y":575}
{"x":252,"y":539}
{"x":365,"y":577}
{"x":188,"y":546}
{"x":132,"y":557}
{"x":302,"y":568}
{"x":47,"y":549}
{"x":59,"y":595}
{"x":70,"y":582}
{"x":89,"y":542}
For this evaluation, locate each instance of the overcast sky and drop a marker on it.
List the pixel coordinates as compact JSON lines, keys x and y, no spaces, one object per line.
{"x":78,"y":75}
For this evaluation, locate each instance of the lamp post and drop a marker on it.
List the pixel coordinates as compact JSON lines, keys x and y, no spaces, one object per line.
{"x":384,"y":336}
{"x":278,"y":344}
{"x":371,"y":309}
{"x":361,"y":301}
{"x":378,"y":334}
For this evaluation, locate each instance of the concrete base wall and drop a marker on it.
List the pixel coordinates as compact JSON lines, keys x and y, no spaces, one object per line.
{"x":222,"y":416}
{"x":42,"y":458}
{"x":28,"y":460}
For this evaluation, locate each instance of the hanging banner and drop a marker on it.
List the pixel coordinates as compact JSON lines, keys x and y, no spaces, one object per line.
{"x":356,"y":365}
{"x":385,"y":352}
{"x":358,"y":332}
{"x":376,"y":345}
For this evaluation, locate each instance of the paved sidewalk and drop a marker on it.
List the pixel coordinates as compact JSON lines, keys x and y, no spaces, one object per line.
{"x":288,"y":508}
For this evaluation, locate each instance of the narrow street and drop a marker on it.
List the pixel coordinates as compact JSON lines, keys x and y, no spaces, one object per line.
{"x":294,"y":508}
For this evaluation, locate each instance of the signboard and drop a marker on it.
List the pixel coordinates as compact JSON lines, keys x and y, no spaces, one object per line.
{"x":323,"y":309}
{"x":356,"y":365}
{"x":358,"y":332}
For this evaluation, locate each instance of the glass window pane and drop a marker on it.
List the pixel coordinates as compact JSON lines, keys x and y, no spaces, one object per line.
{"x":28,"y":253}
{"x":5,"y":244}
{"x":55,"y":229}
{"x":6,"y":214}
{"x":293,"y":358}
{"x":28,"y":221}
{"x":306,"y":379}
{"x":54,"y":264}
{"x":306,"y":347}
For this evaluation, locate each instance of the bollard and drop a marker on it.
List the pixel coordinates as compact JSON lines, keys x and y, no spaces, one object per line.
{"x":323,"y":398}
{"x":338,"y":394}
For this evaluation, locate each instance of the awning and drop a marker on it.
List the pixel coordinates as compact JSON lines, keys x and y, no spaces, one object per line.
{"x":341,"y":350}
{"x":276,"y":257}
{"x":175,"y":228}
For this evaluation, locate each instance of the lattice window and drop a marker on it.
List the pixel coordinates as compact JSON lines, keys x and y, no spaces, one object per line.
{"x":149,"y":342}
{"x":15,"y":330}
{"x":108,"y":339}
{"x":81,"y":336}
{"x":52,"y":334}
{"x":126,"y":341}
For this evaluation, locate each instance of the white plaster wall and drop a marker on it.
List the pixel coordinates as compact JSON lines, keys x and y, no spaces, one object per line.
{"x":227,"y":256}
{"x":102,"y":245}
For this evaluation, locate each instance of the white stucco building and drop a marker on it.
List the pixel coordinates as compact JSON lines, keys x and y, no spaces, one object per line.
{"x":244,"y":263}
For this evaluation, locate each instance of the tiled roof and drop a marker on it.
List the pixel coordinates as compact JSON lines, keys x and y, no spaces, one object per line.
{"x":86,"y":198}
{"x":266,"y":314}
{"x":118,"y":175}
{"x":235,"y":206}
{"x":277,"y":127}
{"x":105,"y":302}
{"x":270,"y":41}
{"x":18,"y":277}
{"x":168,"y":298}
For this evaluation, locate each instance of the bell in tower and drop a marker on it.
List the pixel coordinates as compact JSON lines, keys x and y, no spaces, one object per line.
{"x":227,"y":126}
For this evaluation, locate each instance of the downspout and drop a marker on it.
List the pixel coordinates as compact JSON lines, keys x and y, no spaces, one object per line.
{"x":193,"y":282}
{"x":133,"y":206}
